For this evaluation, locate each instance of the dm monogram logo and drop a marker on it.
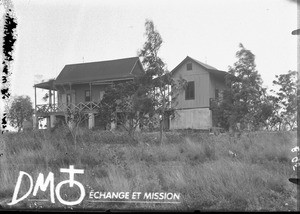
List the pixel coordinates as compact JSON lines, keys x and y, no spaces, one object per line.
{"x":42,"y":184}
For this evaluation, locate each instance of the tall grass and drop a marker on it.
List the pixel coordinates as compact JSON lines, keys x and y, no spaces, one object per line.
{"x":196,"y":165}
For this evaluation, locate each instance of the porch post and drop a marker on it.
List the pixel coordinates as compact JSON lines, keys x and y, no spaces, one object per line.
{"x":54,"y":99}
{"x":35,"y":118}
{"x":50,"y":96}
{"x":91,"y":92}
{"x":113,"y":126}
{"x":34,"y":98}
{"x":70,"y":97}
{"x":48,"y":123}
{"x":91,"y":120}
{"x":52,"y":121}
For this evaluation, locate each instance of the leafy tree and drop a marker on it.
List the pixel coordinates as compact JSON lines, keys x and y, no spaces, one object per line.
{"x":221,"y":110}
{"x":245,"y":100}
{"x":127,"y":104}
{"x":286,"y":99}
{"x":263,"y":114}
{"x":155,"y":68}
{"x":275,"y":121}
{"x":19,"y":110}
{"x":158,"y":79}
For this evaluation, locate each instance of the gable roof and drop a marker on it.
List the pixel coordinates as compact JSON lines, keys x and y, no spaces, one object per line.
{"x":99,"y":71}
{"x":209,"y":68}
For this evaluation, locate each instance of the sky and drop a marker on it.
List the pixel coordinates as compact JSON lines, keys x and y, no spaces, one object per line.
{"x":52,"y":34}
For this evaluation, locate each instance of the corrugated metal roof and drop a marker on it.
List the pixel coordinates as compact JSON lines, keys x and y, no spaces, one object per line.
{"x":98,"y":71}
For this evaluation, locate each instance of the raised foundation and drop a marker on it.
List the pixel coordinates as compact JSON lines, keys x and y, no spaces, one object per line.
{"x":200,"y":118}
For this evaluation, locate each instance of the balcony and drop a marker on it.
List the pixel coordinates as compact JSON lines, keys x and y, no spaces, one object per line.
{"x":47,"y":109}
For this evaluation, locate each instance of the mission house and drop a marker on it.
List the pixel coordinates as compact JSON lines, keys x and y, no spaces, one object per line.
{"x":82,"y":86}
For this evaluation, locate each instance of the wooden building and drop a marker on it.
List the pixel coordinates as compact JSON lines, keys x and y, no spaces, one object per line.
{"x":204,"y":83}
{"x":82,"y":86}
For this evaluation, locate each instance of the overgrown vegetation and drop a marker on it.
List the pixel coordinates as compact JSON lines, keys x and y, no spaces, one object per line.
{"x":144,"y":102}
{"x":19,"y":110}
{"x":246,"y":105}
{"x":284,"y":101}
{"x":199,"y":166}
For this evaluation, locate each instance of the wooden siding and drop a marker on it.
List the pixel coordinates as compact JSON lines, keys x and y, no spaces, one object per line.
{"x":78,"y":93}
{"x":62,"y":95}
{"x":202,"y":86}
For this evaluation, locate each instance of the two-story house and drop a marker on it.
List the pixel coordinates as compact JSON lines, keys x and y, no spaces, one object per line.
{"x":82,"y":86}
{"x":204,"y":83}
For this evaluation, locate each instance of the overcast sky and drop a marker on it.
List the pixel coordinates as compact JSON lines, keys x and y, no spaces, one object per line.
{"x":54,"y":33}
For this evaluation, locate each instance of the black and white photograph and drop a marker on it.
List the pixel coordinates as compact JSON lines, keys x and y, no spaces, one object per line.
{"x":139,"y":105}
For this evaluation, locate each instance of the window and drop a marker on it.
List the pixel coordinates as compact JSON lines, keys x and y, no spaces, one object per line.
{"x":87,"y":96}
{"x":189,"y":66}
{"x":190,"y":91}
{"x":68,"y":99}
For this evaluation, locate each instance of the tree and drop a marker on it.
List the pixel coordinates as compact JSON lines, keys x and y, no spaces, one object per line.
{"x":286,"y":99}
{"x":157,"y":79}
{"x":245,"y":100}
{"x":19,"y":110}
{"x":275,"y":120}
{"x":74,"y":118}
{"x":127,"y":104}
{"x":221,"y":110}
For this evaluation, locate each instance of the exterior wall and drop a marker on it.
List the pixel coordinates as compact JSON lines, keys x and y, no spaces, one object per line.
{"x":62,"y":95}
{"x":199,"y":118}
{"x":202,"y":87}
{"x":78,"y":93}
{"x":195,"y":114}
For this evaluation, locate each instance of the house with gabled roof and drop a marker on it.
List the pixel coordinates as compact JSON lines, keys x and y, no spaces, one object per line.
{"x":82,"y":86}
{"x":193,"y":105}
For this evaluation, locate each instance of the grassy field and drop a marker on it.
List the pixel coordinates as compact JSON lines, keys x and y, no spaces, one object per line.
{"x":199,"y":166}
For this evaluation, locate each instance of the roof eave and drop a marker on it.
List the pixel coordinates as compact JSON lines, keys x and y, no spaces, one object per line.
{"x":94,"y":81}
{"x":218,"y":72}
{"x":49,"y":85}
